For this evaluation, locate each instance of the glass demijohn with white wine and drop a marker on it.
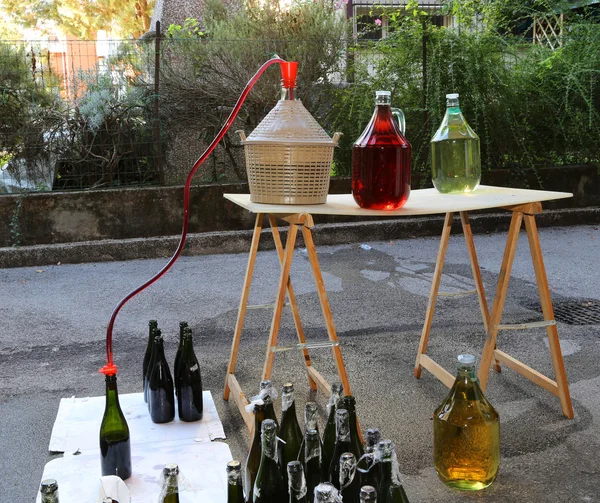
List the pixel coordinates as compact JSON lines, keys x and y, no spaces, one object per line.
{"x":455,"y":157}
{"x":466,"y":433}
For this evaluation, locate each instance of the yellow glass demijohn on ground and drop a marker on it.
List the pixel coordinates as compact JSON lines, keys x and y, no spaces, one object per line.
{"x":466,"y":433}
{"x":455,"y":157}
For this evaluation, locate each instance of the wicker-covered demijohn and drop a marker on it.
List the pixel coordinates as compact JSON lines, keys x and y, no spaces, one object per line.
{"x":289,"y":157}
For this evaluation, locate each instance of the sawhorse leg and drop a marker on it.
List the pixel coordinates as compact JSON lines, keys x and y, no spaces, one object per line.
{"x":423,"y":360}
{"x":560,"y":387}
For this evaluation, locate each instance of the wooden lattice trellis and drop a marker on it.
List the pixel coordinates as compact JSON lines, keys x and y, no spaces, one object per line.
{"x":548,"y":30}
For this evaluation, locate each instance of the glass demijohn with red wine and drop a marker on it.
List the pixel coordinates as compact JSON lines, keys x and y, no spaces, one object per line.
{"x":381,"y":159}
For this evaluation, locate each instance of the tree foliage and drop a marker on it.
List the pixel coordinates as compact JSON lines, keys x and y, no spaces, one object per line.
{"x":83,"y":18}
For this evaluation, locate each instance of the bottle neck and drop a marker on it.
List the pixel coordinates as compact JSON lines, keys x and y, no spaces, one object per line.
{"x":112,"y":395}
{"x":259,"y":417}
{"x":288,"y":93}
{"x":50,"y":498}
{"x":312,"y":447}
{"x":288,"y":404}
{"x":342,"y":429}
{"x":269,"y":446}
{"x":297,"y":485}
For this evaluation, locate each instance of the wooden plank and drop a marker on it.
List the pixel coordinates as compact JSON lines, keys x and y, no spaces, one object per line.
{"x":239,"y":324}
{"x":526,"y":326}
{"x":546,"y":302}
{"x":293,"y":303}
{"x":433,"y":293}
{"x":420,"y":202}
{"x":305,"y":219}
{"x":281,"y":293}
{"x":325,"y":308}
{"x":526,"y":371}
{"x":241,"y":401}
{"x":322,"y":384}
{"x":489,"y":346}
{"x":438,"y":371}
{"x":527,"y":209}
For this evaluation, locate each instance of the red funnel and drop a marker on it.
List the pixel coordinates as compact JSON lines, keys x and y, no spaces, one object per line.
{"x":289,"y":70}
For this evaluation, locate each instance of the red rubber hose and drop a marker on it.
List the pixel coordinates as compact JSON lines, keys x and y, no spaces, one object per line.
{"x":110,"y":368}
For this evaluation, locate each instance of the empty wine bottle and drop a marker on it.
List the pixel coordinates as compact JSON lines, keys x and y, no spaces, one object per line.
{"x":269,"y":486}
{"x":368,"y":467}
{"x":49,"y":491}
{"x":326,"y":493}
{"x":152,"y":326}
{"x":268,"y":393}
{"x":289,"y":429}
{"x":349,"y":481}
{"x":310,"y":423}
{"x":170,"y":485}
{"x":356,"y":447}
{"x":182,"y":326}
{"x":188,"y":382}
{"x":342,"y":444}
{"x":296,"y":483}
{"x":115,"y":447}
{"x":312,"y":460}
{"x":255,"y":452}
{"x":161,"y":399}
{"x":390,"y":488}
{"x":368,"y":494}
{"x":466,"y":433}
{"x":235,"y":490}
{"x":329,"y":434}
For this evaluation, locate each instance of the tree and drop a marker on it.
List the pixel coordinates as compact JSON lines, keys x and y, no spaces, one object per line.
{"x":83,"y":18}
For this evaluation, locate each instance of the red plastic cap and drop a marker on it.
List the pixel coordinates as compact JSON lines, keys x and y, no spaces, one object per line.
{"x":289,"y":71}
{"x":110,"y":369}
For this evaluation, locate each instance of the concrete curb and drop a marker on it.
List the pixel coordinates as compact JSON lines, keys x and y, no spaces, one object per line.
{"x":239,"y":241}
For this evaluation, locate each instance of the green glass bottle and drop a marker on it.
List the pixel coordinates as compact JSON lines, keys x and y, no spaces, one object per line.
{"x":297,"y":490}
{"x":369,"y":468}
{"x":466,"y":433}
{"x":170,"y":485}
{"x":349,"y":481}
{"x":188,"y":382}
{"x":161,"y":397}
{"x":254,"y":453}
{"x":49,"y":491}
{"x":182,"y":326}
{"x":268,"y":393}
{"x":356,"y":447}
{"x":455,"y":157}
{"x":368,"y":494}
{"x":312,"y":460}
{"x":310,"y":423}
{"x":342,"y":444}
{"x":152,"y":326}
{"x":329,"y":434}
{"x":326,"y":493}
{"x":289,"y":429}
{"x":269,"y":486}
{"x":235,"y":490}
{"x":115,"y":446}
{"x":390,"y":488}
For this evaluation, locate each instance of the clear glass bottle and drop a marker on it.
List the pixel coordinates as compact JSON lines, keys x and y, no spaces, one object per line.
{"x":152,"y":326}
{"x":289,"y":429}
{"x":115,"y":445}
{"x":337,"y":390}
{"x":368,"y":494}
{"x":312,"y":460}
{"x":390,"y":487}
{"x":235,"y":490}
{"x":269,"y":485}
{"x":297,"y":489}
{"x":466,"y":433}
{"x":49,"y":491}
{"x":188,"y":382}
{"x":381,"y":159}
{"x":349,"y":480}
{"x":455,"y":157}
{"x":170,"y":485}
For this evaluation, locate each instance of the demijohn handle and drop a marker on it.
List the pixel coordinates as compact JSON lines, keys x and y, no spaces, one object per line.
{"x":400,"y":120}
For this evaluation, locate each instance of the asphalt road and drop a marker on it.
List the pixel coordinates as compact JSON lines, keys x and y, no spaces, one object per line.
{"x":54,"y":321}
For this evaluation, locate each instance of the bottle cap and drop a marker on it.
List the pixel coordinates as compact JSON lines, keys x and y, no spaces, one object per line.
{"x":466,"y":359}
{"x":171,"y":469}
{"x":312,"y":434}
{"x":294,"y":467}
{"x":288,"y":387}
{"x":233,"y":466}
{"x":368,"y":493}
{"x":452,"y":96}
{"x":49,"y":486}
{"x":384,"y":93}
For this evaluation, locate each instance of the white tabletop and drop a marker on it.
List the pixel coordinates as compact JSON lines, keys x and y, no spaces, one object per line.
{"x":420,"y":202}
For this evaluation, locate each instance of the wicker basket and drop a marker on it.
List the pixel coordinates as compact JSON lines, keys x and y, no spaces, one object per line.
{"x":288,"y":157}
